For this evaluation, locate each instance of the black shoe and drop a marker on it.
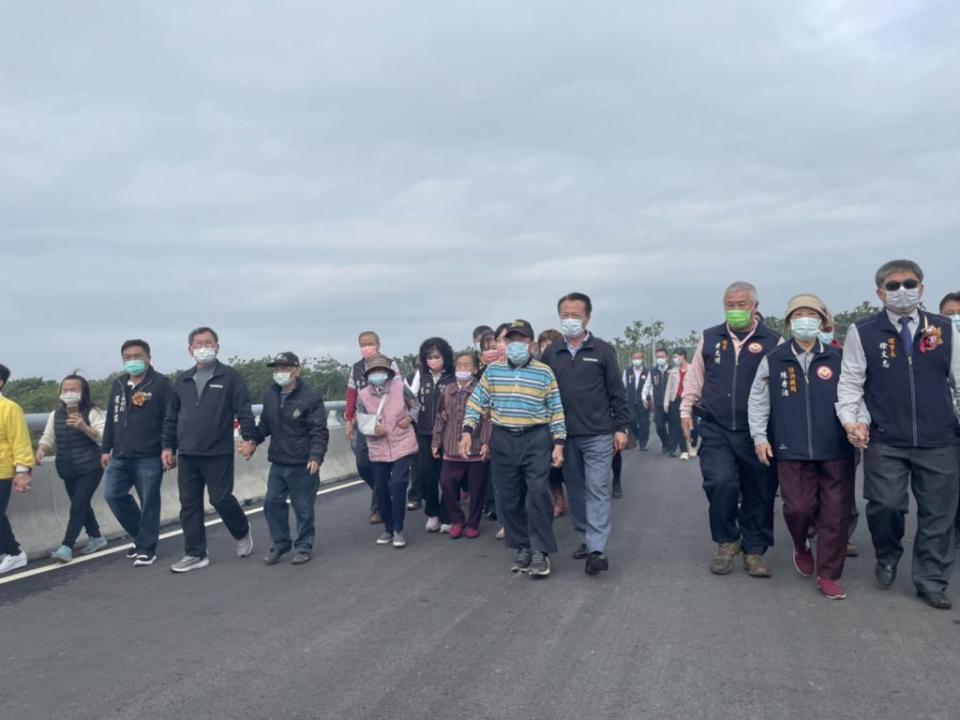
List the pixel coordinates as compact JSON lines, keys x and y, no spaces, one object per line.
{"x":273,"y":556}
{"x":521,"y":563}
{"x":300,"y":558}
{"x":414,"y":504}
{"x":540,"y":565}
{"x":581,"y":552}
{"x":617,"y":489}
{"x":664,"y":451}
{"x":936,"y":600}
{"x":596,"y":562}
{"x":885,"y":574}
{"x":673,"y":454}
{"x":643,"y":448}
{"x":132,"y":553}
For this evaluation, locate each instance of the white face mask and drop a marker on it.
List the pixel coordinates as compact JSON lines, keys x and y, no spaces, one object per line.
{"x":571,"y":327}
{"x":661,"y":363}
{"x":70,"y":398}
{"x":903,"y":301}
{"x":282,"y":378}
{"x":204,"y":355}
{"x":637,"y":363}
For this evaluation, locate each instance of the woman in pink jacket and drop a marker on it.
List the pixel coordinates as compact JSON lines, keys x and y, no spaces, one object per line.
{"x":384,"y":417}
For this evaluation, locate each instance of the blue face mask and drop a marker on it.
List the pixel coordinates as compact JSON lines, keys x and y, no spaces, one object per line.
{"x":956,"y":321}
{"x":377,"y":379}
{"x":805,"y":328}
{"x":518,"y":352}
{"x":134,"y":367}
{"x":826,"y":337}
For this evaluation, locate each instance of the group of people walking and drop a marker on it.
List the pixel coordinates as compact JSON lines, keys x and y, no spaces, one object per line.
{"x":525,"y":427}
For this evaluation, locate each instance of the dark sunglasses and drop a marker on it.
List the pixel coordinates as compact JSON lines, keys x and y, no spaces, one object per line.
{"x":893,"y":286}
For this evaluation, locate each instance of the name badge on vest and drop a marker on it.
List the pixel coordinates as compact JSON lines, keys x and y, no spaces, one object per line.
{"x":217,"y":387}
{"x":888,"y":350}
{"x":824,"y":373}
{"x":755,"y":348}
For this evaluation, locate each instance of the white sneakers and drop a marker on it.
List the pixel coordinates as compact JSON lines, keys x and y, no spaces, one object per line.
{"x":684,"y":456}
{"x":245,"y":545}
{"x":445,"y":528}
{"x":8,"y":563}
{"x":433,"y":524}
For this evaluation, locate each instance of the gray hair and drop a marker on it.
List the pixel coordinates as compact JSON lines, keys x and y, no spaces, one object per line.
{"x":742,"y":286}
{"x":897,"y":266}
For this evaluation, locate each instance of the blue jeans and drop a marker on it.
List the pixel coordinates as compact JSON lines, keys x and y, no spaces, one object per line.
{"x":588,"y":473}
{"x":390,"y":484}
{"x":141,"y":522}
{"x":300,"y":486}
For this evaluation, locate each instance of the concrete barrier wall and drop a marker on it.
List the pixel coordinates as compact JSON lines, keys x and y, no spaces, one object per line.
{"x":39,"y":517}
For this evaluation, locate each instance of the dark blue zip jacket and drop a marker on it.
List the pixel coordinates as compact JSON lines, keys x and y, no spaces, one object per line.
{"x":204,"y":426}
{"x":727,"y":378}
{"x":803,"y":417}
{"x":908,"y":394}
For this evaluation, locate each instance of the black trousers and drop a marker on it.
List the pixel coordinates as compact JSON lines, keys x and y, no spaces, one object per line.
{"x":732,"y":473}
{"x":520,"y":465}
{"x":676,"y":441}
{"x":932,"y":474}
{"x":661,"y":422}
{"x":428,"y":476}
{"x":8,"y":543}
{"x":216,"y":475}
{"x":364,"y":468}
{"x":640,"y":424}
{"x":81,"y":488}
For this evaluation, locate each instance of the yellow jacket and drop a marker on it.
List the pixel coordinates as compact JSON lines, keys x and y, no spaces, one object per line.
{"x":15,"y":447}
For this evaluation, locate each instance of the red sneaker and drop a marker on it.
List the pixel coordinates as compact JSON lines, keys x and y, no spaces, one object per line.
{"x":831,"y":589}
{"x":472,"y":533}
{"x":456,"y":531}
{"x":803,"y":561}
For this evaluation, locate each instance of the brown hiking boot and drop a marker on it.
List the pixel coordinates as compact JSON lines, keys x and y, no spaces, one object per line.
{"x":722,"y":561}
{"x":756,"y":566}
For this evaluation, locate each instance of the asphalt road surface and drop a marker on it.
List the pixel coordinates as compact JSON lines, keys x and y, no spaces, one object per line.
{"x":442,"y":629}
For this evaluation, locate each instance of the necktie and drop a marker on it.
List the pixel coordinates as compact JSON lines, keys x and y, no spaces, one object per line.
{"x":905,"y":336}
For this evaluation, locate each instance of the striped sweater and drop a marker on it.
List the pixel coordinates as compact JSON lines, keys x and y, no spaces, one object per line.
{"x":517,"y":397}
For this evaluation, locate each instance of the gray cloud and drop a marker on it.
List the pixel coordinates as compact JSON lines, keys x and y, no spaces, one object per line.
{"x":293,"y":172}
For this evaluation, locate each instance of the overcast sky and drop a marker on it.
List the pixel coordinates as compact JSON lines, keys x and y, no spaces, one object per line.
{"x":291,"y":173}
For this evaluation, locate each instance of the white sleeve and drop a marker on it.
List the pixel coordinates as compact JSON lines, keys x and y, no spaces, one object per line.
{"x":758,"y":406}
{"x":49,"y":437}
{"x":853,"y":374}
{"x":97,"y":420}
{"x":647,"y":391}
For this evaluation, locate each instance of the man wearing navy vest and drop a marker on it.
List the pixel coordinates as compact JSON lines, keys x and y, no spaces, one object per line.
{"x":902,"y":362}
{"x":656,"y":390}
{"x":717,"y":389}
{"x":634,"y":381}
{"x":793,"y":422}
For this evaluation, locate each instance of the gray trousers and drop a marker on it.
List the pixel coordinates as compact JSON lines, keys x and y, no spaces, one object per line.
{"x":520,"y":466}
{"x":588,"y":474}
{"x":934,"y":477}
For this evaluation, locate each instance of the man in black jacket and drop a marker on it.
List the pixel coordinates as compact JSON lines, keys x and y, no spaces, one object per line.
{"x":595,"y":405}
{"x":131,"y":449}
{"x":295,"y":420}
{"x":199,"y":425}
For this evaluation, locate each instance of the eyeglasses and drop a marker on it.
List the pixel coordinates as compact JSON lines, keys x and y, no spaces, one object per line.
{"x":893,"y":285}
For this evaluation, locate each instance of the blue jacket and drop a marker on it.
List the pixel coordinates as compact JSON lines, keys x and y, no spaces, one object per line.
{"x":803,"y":418}
{"x":727,"y":377}
{"x":908,"y":394}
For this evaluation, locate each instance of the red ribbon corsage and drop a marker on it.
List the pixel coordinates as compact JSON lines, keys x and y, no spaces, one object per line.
{"x":932,"y":339}
{"x":139,"y":399}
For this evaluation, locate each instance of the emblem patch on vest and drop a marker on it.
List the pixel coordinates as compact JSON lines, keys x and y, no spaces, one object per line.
{"x":755,"y":347}
{"x":824,"y":373}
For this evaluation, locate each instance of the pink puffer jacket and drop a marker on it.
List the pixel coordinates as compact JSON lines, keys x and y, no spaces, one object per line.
{"x":398,"y":442}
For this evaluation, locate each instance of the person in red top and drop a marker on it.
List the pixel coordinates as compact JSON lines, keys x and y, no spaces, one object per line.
{"x":671,"y":405}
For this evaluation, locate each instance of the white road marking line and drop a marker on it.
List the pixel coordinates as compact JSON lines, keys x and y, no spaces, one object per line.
{"x":163,"y":536}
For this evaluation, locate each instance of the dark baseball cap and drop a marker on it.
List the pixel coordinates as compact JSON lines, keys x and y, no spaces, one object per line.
{"x":520,"y":327}
{"x":284,"y":358}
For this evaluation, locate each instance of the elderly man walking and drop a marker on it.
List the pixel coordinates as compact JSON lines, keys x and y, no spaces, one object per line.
{"x":903,"y":362}
{"x":739,"y":488}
